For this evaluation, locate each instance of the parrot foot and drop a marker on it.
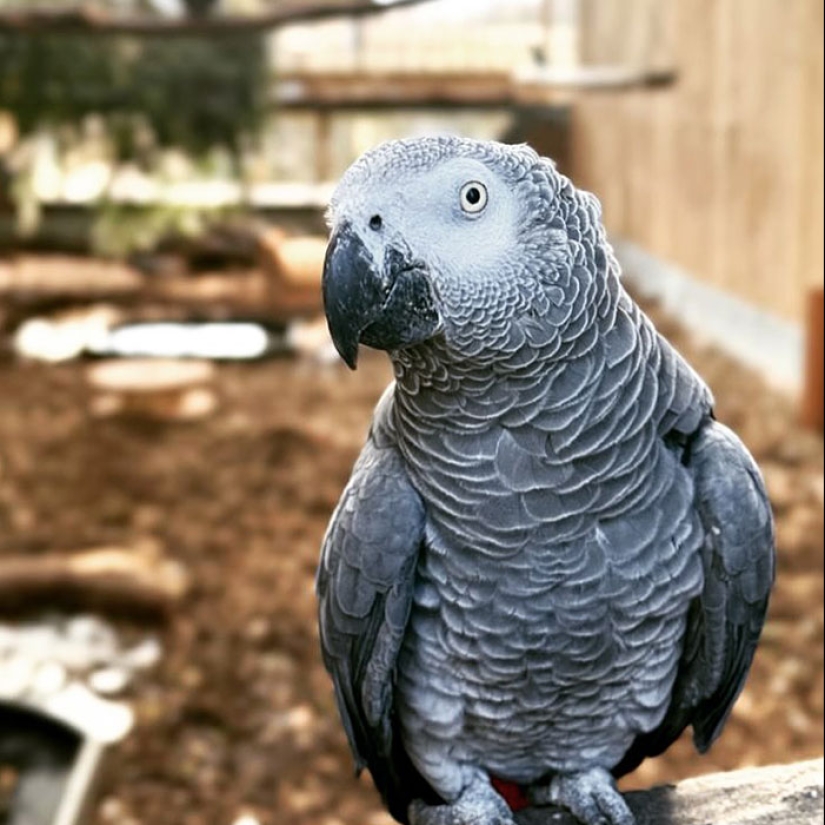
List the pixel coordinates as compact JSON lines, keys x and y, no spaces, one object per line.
{"x":590,"y":796}
{"x":478,"y":804}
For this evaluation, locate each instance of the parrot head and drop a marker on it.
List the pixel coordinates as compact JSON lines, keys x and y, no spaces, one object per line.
{"x":438,"y":238}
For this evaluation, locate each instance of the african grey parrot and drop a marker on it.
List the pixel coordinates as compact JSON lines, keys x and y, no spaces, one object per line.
{"x":550,"y":559}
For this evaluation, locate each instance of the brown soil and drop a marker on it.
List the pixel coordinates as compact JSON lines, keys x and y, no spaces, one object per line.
{"x":239,"y":718}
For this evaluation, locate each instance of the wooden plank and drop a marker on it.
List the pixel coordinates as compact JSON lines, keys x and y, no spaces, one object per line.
{"x":764,"y":101}
{"x":811,"y":149}
{"x":787,"y":794}
{"x":722,"y":174}
{"x":637,"y":33}
{"x":598,"y":158}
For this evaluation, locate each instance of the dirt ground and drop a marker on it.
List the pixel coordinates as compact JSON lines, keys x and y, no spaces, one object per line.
{"x":239,"y":718}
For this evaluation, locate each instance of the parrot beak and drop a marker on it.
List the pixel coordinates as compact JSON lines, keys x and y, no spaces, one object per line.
{"x":386,"y":307}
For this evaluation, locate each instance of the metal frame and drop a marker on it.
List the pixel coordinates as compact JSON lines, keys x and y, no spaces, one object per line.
{"x":60,"y":791}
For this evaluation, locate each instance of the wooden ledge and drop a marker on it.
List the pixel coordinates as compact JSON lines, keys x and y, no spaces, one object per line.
{"x":786,"y":794}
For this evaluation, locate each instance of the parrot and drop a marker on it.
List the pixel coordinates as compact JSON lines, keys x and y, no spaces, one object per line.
{"x":550,"y":558}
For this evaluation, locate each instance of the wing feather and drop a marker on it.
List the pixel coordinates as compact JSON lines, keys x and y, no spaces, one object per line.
{"x":725,"y":622}
{"x":365,"y":586}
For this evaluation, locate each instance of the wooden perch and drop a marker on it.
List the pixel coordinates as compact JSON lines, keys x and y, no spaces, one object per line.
{"x":107,"y":580}
{"x":30,"y":278}
{"x":93,"y":21}
{"x":787,"y":794}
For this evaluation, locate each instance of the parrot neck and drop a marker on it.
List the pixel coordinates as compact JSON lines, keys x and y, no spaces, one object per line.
{"x":466,"y":372}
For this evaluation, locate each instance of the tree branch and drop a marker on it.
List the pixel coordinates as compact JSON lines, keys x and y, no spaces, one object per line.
{"x":92,"y":21}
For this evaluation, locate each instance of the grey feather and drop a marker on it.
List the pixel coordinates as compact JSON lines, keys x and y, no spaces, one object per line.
{"x":740,"y":569}
{"x":365,"y":586}
{"x":726,"y":620}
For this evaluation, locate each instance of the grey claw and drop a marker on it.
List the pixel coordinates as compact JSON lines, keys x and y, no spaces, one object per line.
{"x":591,"y":796}
{"x":478,"y":805}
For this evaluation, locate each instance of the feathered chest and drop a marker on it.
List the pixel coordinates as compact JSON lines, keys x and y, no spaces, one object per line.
{"x":545,"y":582}
{"x":503,"y":487}
{"x":548,"y":447}
{"x":562,"y":542}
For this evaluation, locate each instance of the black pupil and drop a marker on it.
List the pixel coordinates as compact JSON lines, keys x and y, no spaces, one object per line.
{"x":473,"y":196}
{"x":375,"y":222}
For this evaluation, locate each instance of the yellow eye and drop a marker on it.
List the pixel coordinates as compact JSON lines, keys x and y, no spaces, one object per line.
{"x":473,"y":197}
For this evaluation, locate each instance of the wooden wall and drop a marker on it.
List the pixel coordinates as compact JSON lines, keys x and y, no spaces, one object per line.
{"x":722,"y":174}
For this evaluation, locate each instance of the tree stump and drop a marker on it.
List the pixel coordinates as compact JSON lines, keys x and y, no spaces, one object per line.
{"x":153,"y":388}
{"x":293,"y":267}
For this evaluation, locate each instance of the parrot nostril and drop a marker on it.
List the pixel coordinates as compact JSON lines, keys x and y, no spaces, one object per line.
{"x":376,"y":223}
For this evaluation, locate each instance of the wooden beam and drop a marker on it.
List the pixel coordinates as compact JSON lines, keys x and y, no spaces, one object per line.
{"x":91,"y":21}
{"x":395,"y":89}
{"x":379,"y":89}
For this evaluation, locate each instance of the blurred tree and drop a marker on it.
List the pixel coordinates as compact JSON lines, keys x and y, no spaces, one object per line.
{"x":194,"y":92}
{"x":199,"y":8}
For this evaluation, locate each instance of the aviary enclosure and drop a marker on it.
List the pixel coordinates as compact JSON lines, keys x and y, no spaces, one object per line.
{"x":175,"y":427}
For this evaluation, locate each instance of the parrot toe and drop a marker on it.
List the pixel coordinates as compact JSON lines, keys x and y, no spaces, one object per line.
{"x":591,"y":796}
{"x":479,"y":804}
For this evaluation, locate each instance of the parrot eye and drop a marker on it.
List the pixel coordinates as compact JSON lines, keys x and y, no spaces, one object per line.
{"x":473,"y":197}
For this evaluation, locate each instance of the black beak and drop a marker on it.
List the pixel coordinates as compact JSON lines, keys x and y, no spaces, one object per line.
{"x":387,"y":306}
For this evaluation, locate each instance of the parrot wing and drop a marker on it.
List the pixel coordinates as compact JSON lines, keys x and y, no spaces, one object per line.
{"x":726,"y":620}
{"x":365,"y":588}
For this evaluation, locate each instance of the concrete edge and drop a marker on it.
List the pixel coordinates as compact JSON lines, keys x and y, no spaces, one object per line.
{"x":768,"y":344}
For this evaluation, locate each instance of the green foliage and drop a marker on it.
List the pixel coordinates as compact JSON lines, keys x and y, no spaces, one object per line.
{"x":194,"y":93}
{"x":120,"y":230}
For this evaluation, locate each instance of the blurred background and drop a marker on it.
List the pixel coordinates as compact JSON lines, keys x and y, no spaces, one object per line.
{"x":175,"y":428}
